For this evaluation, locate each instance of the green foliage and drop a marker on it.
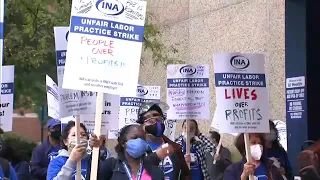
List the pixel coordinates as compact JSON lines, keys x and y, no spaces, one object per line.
{"x":29,"y":45}
{"x":23,"y":149}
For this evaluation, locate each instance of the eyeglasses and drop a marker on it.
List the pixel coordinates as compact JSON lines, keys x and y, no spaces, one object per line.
{"x":154,"y":119}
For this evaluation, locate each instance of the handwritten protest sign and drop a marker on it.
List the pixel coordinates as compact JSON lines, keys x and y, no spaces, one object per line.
{"x":129,"y":106}
{"x":7,"y":91}
{"x":170,"y":130}
{"x":52,"y":98}
{"x":188,"y":92}
{"x":105,"y":42}
{"x":74,"y":102}
{"x":241,"y":93}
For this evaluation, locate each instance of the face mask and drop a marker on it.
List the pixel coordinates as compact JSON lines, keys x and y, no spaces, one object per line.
{"x":184,"y":135}
{"x":72,"y":144}
{"x":136,"y":147}
{"x":191,"y":135}
{"x":155,"y":129}
{"x":271,"y":136}
{"x":256,"y":151}
{"x":55,"y":134}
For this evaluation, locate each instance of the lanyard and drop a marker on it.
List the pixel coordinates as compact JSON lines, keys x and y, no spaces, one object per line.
{"x":139,"y":174}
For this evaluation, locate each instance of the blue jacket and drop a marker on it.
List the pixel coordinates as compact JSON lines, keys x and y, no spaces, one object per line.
{"x":39,"y":160}
{"x":13,"y":175}
{"x":22,"y":170}
{"x":62,"y":168}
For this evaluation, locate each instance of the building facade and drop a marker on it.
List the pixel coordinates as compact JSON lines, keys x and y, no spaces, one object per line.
{"x":199,"y":28}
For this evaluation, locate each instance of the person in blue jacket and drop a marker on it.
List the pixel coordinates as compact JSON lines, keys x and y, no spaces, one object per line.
{"x":44,"y":153}
{"x":17,"y":160}
{"x":63,"y":167}
{"x":11,"y":174}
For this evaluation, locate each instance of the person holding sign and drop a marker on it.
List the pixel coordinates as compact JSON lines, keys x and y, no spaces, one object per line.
{"x":43,"y":154}
{"x":133,"y":161}
{"x":260,"y":167}
{"x":276,"y":152}
{"x":151,"y":117}
{"x":104,"y":151}
{"x":200,"y":145}
{"x":63,"y":167}
{"x":222,"y":158}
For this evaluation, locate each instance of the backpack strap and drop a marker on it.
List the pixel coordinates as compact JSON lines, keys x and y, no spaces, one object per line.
{"x":5,"y":167}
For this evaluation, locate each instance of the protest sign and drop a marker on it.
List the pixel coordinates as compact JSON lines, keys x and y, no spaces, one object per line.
{"x":170,"y":130}
{"x":215,"y":122}
{"x":281,"y":126}
{"x":7,"y":92}
{"x":188,"y":92}
{"x":105,"y":43}
{"x":129,"y":106}
{"x":110,"y":116}
{"x":74,"y":102}
{"x":241,"y":93}
{"x":52,"y":98}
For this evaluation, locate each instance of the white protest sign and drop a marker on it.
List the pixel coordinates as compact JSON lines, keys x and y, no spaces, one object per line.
{"x":188,"y":92}
{"x":129,"y":106}
{"x":170,"y":130}
{"x":7,"y":91}
{"x":281,"y":126}
{"x":73,"y":102}
{"x":88,"y":121}
{"x":215,"y":122}
{"x":241,"y":93}
{"x":105,"y":44}
{"x":52,"y":98}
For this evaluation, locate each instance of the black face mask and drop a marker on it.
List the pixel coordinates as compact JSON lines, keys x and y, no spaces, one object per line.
{"x":155,"y":129}
{"x":56,"y":134}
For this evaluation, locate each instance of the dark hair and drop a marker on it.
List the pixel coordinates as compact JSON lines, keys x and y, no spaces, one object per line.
{"x":7,"y":152}
{"x":275,"y":143}
{"x":66,"y":131}
{"x":240,"y":145}
{"x":122,"y":137}
{"x":239,"y":142}
{"x":215,"y":135}
{"x":196,"y":124}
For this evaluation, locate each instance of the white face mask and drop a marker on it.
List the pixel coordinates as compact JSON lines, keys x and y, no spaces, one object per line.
{"x":256,"y":151}
{"x":184,"y":135}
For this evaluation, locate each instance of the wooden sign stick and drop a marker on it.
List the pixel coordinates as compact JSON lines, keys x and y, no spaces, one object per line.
{"x":77,"y":124}
{"x":248,"y":151}
{"x":97,"y":131}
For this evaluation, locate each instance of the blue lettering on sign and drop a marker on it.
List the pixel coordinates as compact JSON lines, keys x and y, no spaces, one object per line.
{"x":188,"y":70}
{"x":239,"y":62}
{"x":142,"y":91}
{"x":7,"y":88}
{"x":67,"y":36}
{"x":110,"y":7}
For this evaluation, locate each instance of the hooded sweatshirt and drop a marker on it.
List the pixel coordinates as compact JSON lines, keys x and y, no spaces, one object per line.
{"x":41,"y":156}
{"x":62,"y":168}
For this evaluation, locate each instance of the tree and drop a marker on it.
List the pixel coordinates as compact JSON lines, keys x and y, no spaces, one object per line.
{"x":29,"y":45}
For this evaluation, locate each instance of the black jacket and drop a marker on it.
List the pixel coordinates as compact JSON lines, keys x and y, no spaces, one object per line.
{"x":112,"y":168}
{"x":180,"y":168}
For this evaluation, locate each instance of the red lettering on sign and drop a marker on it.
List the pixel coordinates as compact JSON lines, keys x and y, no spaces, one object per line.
{"x":240,"y":93}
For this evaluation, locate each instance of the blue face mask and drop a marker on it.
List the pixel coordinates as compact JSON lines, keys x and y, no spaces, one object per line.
{"x":136,"y":147}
